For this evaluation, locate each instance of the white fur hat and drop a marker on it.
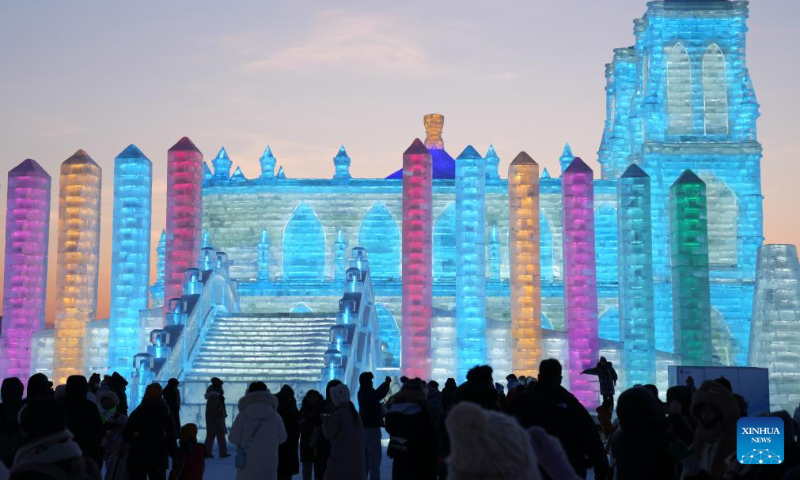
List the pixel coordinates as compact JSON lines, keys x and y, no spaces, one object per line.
{"x":488,"y":445}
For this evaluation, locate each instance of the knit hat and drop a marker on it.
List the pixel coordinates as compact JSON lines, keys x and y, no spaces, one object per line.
{"x":488,"y":445}
{"x":340,"y":394}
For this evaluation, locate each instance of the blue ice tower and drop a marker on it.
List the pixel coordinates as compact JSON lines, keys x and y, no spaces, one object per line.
{"x":267,"y":162}
{"x":130,"y":256}
{"x":157,"y":288}
{"x":494,"y":253}
{"x":222,"y":165}
{"x":682,"y":98}
{"x":341,"y":163}
{"x":263,"y":256}
{"x":492,"y":164}
{"x":566,"y":157}
{"x":470,"y":261}
{"x":636,"y":307}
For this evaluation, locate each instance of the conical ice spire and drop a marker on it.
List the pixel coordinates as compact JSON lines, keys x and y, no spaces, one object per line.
{"x":342,"y":153}
{"x":491,"y":153}
{"x":80,"y":157}
{"x":578,"y":165}
{"x":267,"y":153}
{"x":469,"y":153}
{"x":223,"y":154}
{"x":238,"y":176}
{"x":281,"y":173}
{"x":689,"y":177}
{"x":184,"y":144}
{"x":523,"y":158}
{"x":634,"y":171}
{"x":567,"y":152}
{"x":28,"y":168}
{"x":132,"y":151}
{"x":416,"y":148}
{"x":546,"y":174}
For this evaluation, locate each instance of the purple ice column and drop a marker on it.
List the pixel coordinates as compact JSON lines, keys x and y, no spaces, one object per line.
{"x":27,"y":233}
{"x":580,"y":279}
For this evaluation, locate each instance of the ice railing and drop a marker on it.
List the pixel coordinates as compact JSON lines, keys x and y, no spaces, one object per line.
{"x":355,"y":339}
{"x":207,"y":291}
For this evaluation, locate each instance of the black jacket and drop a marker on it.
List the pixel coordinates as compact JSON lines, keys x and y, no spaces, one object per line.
{"x":150,"y":432}
{"x":553,"y":408}
{"x":369,"y":404}
{"x":83,"y":420}
{"x":413,"y":446}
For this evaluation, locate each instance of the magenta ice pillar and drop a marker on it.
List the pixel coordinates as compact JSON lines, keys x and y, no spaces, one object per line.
{"x":184,"y":215}
{"x":580,"y":279}
{"x":27,"y":234}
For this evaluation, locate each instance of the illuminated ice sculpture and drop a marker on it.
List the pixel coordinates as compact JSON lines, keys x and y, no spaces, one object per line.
{"x":775,"y":332}
{"x":691,"y":296}
{"x":77,"y":261}
{"x":130,"y":256}
{"x":417,"y":263}
{"x":470,"y":261}
{"x":184,"y":209}
{"x":524,"y":265}
{"x":25,"y":278}
{"x":580,"y":279}
{"x":636,"y":308}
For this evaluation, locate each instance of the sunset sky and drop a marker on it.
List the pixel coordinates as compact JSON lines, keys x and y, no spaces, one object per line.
{"x":305,"y":77}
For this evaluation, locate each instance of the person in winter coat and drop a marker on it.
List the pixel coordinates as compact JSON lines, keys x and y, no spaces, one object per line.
{"x":190,"y":462}
{"x":172,"y":396}
{"x":552,"y":458}
{"x":640,"y":446}
{"x":83,"y":418}
{"x":434,"y":399}
{"x":150,"y":434}
{"x":607,"y":376}
{"x":118,"y":386}
{"x":216,"y":413}
{"x":114,"y":448}
{"x":308,"y":412}
{"x":288,"y":463}
{"x":258,"y":430}
{"x":369,"y":407}
{"x":413,"y":445}
{"x":479,"y":388}
{"x":11,"y":394}
{"x":322,"y":446}
{"x":343,"y":429}
{"x":449,"y":395}
{"x":39,"y":386}
{"x":488,"y":445}
{"x":47,"y":450}
{"x":549,"y":405}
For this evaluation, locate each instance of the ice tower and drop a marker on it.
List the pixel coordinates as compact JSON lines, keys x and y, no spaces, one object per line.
{"x":636,"y":308}
{"x":157,"y":288}
{"x":775,"y":335}
{"x":524,"y":265}
{"x":25,"y":278}
{"x":417,"y":262}
{"x":690,"y":283}
{"x":77,"y":261}
{"x":580,"y":279}
{"x":222,"y":165}
{"x":184,"y":209}
{"x":681,"y":98}
{"x":130,"y":256}
{"x":470,"y":260}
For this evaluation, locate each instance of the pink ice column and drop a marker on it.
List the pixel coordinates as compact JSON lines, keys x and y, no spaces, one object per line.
{"x":27,"y":234}
{"x":580,"y":279}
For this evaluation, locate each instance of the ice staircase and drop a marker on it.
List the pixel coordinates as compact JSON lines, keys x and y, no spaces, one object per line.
{"x":275,"y":348}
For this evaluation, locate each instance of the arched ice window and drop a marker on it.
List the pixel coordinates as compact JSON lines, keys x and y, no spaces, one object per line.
{"x":304,"y":246}
{"x":679,"y":90}
{"x":715,"y":92}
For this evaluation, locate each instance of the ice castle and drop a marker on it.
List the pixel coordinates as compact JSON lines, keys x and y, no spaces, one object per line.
{"x":454,"y":264}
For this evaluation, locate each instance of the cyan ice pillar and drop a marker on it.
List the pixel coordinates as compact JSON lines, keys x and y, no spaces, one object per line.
{"x":775,"y":331}
{"x":263,"y":256}
{"x":691,"y":296}
{"x":77,"y":261}
{"x":157,"y":289}
{"x":470,"y":261}
{"x":130,"y":256}
{"x":25,"y":278}
{"x":492,"y":164}
{"x":267,"y":162}
{"x":494,"y":253}
{"x":566,"y":157}
{"x":636,"y":307}
{"x":222,"y":165}
{"x":417,"y":287}
{"x":341,"y":164}
{"x":580,"y":279}
{"x":184,"y":215}
{"x":340,"y":256}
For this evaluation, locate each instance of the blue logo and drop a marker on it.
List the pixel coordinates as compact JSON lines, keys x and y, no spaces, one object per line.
{"x":759,"y":440}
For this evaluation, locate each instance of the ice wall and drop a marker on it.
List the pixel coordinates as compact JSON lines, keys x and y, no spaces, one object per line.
{"x":77,"y":261}
{"x":130,"y":256}
{"x":25,"y":279}
{"x":775,"y":332}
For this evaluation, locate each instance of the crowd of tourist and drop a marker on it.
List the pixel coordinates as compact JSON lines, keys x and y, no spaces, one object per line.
{"x":525,"y":429}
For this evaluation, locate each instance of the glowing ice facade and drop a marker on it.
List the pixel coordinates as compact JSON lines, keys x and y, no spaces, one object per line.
{"x":25,"y":279}
{"x":184,"y":215}
{"x":524,"y":264}
{"x":580,"y":278}
{"x":130,"y":256}
{"x":417,"y":263}
{"x":636,"y":307}
{"x":77,"y":261}
{"x":157,"y":288}
{"x":690,"y":280}
{"x":471,"y":260}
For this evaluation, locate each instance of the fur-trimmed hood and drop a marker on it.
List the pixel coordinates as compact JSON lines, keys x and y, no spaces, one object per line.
{"x":258,"y":405}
